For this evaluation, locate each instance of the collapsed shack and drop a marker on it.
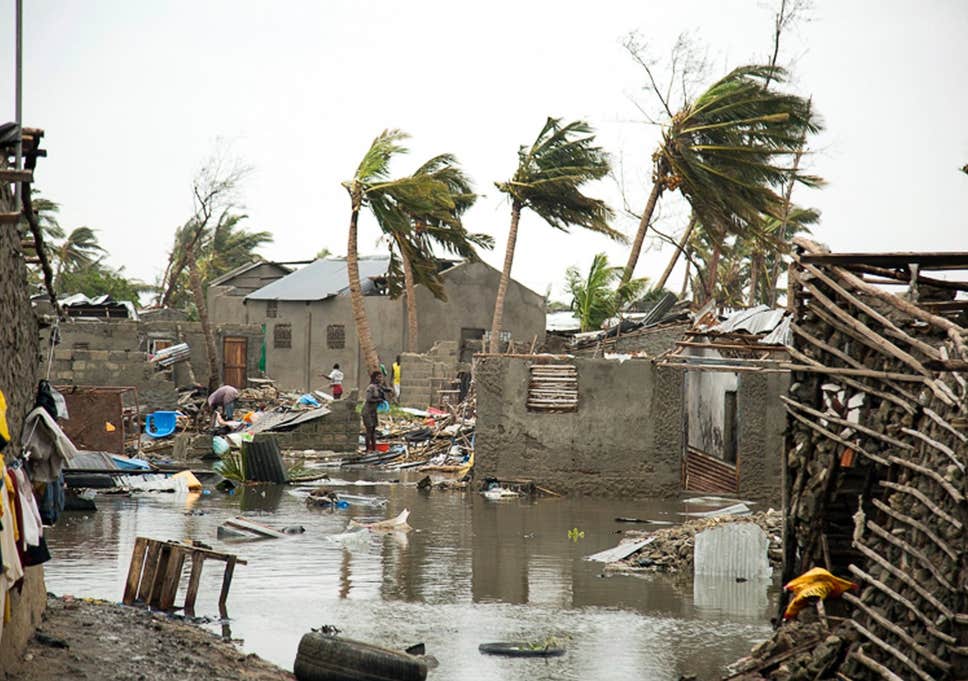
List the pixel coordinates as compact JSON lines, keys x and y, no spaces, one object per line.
{"x":874,"y":475}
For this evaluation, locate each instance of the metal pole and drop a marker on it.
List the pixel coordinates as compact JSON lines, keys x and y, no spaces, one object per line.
{"x":19,"y":94}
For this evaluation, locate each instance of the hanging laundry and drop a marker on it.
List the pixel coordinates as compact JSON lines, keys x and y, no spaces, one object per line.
{"x":46,"y":446}
{"x":4,"y":430}
{"x":11,"y":569}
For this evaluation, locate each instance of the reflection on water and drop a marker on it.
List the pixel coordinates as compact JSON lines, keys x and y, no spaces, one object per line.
{"x":472,"y":570}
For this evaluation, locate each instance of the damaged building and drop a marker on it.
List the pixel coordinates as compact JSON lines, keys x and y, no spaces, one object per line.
{"x":698,"y":411}
{"x":309,"y":322}
{"x":874,"y":470}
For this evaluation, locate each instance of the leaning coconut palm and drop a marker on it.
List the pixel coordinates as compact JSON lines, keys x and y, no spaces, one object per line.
{"x":724,"y":153}
{"x":393,"y":202}
{"x":595,"y":296}
{"x":78,"y":250}
{"x":412,"y":252}
{"x":547,"y":181}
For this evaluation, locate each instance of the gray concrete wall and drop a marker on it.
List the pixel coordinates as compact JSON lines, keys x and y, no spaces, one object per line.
{"x":625,"y":439}
{"x":471,"y":291}
{"x":18,"y":381}
{"x":760,"y":438}
{"x":226,"y":301}
{"x":338,"y":431}
{"x":418,"y":373}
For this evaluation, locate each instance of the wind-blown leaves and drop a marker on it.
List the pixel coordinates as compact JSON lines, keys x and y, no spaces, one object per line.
{"x":550,"y":173}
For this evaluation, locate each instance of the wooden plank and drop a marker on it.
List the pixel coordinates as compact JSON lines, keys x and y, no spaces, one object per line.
{"x":927,"y":261}
{"x":150,"y":568}
{"x":172,"y":576}
{"x":198,"y":559}
{"x":158,"y":580}
{"x":13,"y":175}
{"x":226,"y":583}
{"x":134,"y":570}
{"x":10,"y":218}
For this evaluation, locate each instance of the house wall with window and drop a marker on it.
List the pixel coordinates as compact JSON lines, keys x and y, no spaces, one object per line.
{"x":305,"y":338}
{"x":627,"y":432}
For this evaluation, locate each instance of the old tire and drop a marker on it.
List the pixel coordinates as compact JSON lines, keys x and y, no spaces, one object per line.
{"x":519,"y":649}
{"x":327,"y":658}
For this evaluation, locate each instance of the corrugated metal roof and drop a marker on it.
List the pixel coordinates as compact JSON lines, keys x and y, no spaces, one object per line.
{"x":320,"y":280}
{"x":756,"y":320}
{"x":563,"y":320}
{"x":242,"y":269}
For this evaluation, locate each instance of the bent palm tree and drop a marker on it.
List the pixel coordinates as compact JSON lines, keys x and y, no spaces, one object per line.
{"x":723,"y":151}
{"x":415,"y":251}
{"x":393,"y":202}
{"x":547,"y":180}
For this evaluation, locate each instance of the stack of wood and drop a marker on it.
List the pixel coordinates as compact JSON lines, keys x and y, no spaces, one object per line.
{"x":876,"y":456}
{"x":553,"y":388}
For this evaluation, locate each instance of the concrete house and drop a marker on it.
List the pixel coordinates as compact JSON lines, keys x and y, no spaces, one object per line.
{"x":309,"y":319}
{"x":226,"y":294}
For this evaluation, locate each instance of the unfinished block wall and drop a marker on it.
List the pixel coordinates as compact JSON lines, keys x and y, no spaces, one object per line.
{"x":421,"y":375}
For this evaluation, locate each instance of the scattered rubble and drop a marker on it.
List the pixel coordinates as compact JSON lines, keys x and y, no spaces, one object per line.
{"x":672,"y":549}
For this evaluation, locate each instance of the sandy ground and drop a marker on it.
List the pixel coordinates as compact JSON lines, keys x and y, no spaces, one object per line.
{"x":108,"y":641}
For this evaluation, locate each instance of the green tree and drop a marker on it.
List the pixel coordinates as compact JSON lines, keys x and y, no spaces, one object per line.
{"x":600,"y":294}
{"x":724,"y":151}
{"x":413,"y":253}
{"x":547,"y":181}
{"x":98,"y":279}
{"x":394,"y":203}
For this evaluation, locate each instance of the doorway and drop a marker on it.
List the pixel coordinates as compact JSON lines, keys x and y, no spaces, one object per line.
{"x":234,"y":353}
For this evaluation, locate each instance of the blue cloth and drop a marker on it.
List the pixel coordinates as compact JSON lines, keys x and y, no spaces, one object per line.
{"x":229,"y":409}
{"x":52,"y":503}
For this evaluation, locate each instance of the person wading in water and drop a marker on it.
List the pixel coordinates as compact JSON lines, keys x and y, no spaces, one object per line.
{"x":372,"y":399}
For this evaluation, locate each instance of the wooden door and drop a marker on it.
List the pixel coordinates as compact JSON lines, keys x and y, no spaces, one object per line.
{"x":234,"y":352}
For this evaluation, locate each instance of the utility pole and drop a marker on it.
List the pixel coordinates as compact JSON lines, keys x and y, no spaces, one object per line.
{"x":19,"y":95}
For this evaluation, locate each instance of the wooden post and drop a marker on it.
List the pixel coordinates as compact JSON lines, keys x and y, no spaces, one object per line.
{"x":134,"y":571}
{"x":226,"y":583}
{"x":158,"y":578}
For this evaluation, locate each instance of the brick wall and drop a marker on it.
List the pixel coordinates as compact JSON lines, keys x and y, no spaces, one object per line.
{"x":73,"y":366}
{"x":338,"y":431}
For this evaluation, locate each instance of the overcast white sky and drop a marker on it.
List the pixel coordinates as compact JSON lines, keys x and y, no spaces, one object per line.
{"x":133,"y":96}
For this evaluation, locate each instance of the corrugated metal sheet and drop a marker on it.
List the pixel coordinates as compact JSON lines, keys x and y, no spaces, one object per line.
{"x":704,"y":473}
{"x":760,"y":319}
{"x":320,"y":280}
{"x":737,"y":550}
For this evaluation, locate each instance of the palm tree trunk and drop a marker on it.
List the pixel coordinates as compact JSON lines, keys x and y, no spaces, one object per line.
{"x":210,"y":350}
{"x":502,"y":287}
{"x":657,"y":188}
{"x":685,"y":280}
{"x":675,"y":256}
{"x":754,"y":276}
{"x":713,"y":268}
{"x":411,"y":288}
{"x":363,"y":332}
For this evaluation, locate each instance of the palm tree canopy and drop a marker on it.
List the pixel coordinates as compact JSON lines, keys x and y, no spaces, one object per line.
{"x":79,"y":249}
{"x":593,"y":297}
{"x":550,"y":173}
{"x":725,"y":149}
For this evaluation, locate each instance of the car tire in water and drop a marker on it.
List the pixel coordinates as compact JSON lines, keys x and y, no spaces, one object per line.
{"x":328,"y":658}
{"x":519,"y":649}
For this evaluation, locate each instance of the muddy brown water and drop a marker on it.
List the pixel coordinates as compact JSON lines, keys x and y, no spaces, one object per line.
{"x":472,"y":570}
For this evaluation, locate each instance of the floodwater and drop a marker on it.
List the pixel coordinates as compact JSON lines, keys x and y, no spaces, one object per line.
{"x":472,"y":570}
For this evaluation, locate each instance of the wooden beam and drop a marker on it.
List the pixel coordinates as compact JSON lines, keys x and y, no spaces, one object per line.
{"x":928,"y":261}
{"x":13,"y":175}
